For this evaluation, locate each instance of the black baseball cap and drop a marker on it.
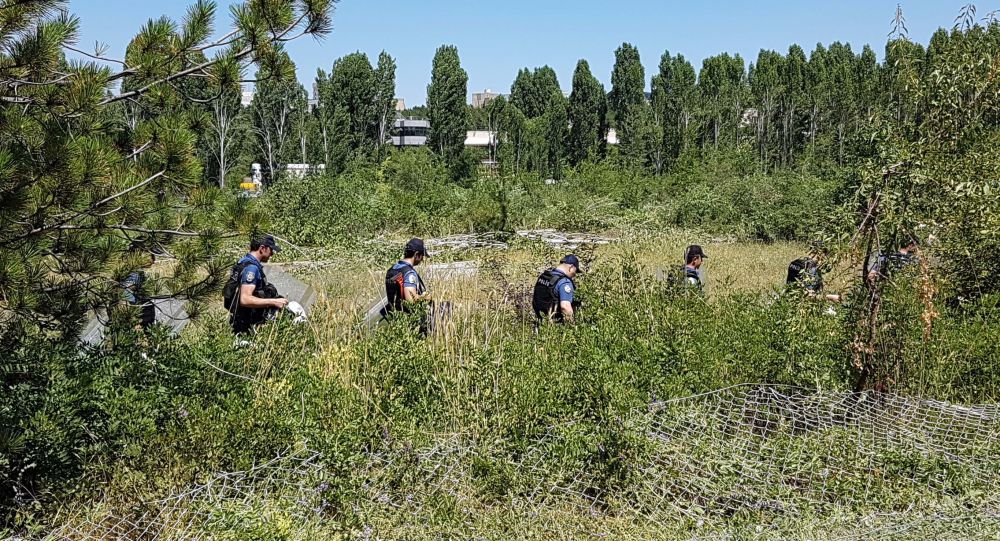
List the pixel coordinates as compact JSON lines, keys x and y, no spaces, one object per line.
{"x":415,"y":246}
{"x":694,"y":251}
{"x":572,"y":260}
{"x":266,"y":240}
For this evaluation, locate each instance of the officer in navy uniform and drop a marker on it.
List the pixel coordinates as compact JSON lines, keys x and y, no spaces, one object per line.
{"x":248,"y":296}
{"x":136,"y":289}
{"x":554,"y":290}
{"x":805,"y":274}
{"x":884,"y":266}
{"x":403,"y":285}
{"x":694,"y":257}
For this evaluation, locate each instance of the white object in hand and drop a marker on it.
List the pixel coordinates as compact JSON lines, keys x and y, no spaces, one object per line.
{"x":297,"y":310}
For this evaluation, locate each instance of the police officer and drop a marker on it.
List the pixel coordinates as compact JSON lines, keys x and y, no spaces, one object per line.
{"x":403,"y":285}
{"x":248,"y":295}
{"x":884,"y":265}
{"x":136,"y":291}
{"x":694,"y":257}
{"x":806,"y":273}
{"x":552,"y":297}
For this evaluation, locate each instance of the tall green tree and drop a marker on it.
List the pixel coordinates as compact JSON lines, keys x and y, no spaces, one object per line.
{"x":494,"y":113}
{"x":641,"y":138}
{"x":766,"y":89}
{"x":587,"y":109}
{"x":817,"y":93}
{"x":843,"y":99}
{"x":278,"y":104}
{"x":868,"y":89}
{"x":333,"y":124}
{"x":531,"y":90}
{"x":353,"y":89}
{"x":793,"y":102}
{"x":384,"y":99}
{"x":96,"y":157}
{"x":628,"y":83}
{"x":72,"y":196}
{"x":513,"y":138}
{"x":722,"y":90}
{"x":446,"y":102}
{"x":556,"y":124}
{"x":675,"y":102}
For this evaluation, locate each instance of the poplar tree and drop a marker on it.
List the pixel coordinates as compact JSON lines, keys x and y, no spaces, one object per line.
{"x":817,"y":92}
{"x":532,"y":90}
{"x":446,"y":103}
{"x":384,"y":98}
{"x":793,"y":102}
{"x":628,"y":83}
{"x":556,"y":134}
{"x":675,"y":101}
{"x":513,"y":139}
{"x":843,"y":97}
{"x":766,"y":89}
{"x":587,"y":108}
{"x":353,"y":89}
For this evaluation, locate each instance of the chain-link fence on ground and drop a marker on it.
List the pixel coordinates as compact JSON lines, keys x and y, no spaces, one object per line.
{"x":751,"y":461}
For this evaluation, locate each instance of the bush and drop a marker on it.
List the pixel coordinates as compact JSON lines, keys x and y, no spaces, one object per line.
{"x":412,"y":190}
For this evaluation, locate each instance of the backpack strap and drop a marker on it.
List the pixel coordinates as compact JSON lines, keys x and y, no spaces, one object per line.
{"x":235,"y":275}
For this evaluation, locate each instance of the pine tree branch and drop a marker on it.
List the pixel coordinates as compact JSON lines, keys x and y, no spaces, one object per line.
{"x":134,"y":229}
{"x":97,"y":57}
{"x":243,"y":53}
{"x":85,"y":212}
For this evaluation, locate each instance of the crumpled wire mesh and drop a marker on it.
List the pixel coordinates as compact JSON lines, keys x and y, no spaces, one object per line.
{"x":750,"y":461}
{"x":221,"y":503}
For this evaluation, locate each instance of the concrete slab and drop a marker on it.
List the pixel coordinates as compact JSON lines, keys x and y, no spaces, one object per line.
{"x":438,"y":315}
{"x":444,"y":271}
{"x":291,"y":287}
{"x":169,"y":313}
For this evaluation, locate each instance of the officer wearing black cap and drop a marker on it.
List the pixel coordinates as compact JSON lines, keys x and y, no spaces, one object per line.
{"x":552,"y":297}
{"x":885,"y":265}
{"x":248,"y":296}
{"x":805,"y":274}
{"x":402,"y":283}
{"x":694,"y":256}
{"x":136,"y":287}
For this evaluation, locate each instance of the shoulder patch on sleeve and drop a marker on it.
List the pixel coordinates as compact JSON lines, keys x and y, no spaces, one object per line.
{"x":568,"y":288}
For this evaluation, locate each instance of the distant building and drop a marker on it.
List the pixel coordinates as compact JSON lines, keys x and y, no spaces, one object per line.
{"x":314,"y":100}
{"x":300,"y":170}
{"x":410,"y":132}
{"x":480,"y":138}
{"x":611,"y":137}
{"x":480,"y":99}
{"x":246,"y":98}
{"x":400,"y":105}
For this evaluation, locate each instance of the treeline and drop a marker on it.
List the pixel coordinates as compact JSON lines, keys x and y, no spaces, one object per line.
{"x":788,"y":109}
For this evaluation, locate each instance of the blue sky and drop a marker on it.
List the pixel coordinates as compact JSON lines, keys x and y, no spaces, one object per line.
{"x":497,"y":38}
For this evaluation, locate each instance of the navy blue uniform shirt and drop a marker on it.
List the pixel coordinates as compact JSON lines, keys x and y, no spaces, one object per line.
{"x":564,"y":287}
{"x":410,"y":277}
{"x":252,"y":273}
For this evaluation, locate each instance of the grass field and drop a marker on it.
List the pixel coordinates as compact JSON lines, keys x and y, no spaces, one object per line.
{"x":612,"y":428}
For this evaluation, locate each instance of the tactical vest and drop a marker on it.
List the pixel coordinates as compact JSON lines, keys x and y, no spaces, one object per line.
{"x":545,"y":297}
{"x":690,"y":273}
{"x":394,"y":287}
{"x":147,"y":309}
{"x":242,"y":318}
{"x":804,"y":272}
